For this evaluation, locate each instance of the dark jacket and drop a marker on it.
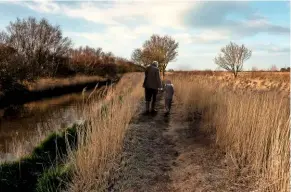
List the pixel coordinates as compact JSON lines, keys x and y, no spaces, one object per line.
{"x":152,"y":78}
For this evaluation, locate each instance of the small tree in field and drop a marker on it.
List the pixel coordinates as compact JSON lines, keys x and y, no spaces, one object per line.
{"x":232,"y":58}
{"x":273,"y":68}
{"x":157,"y":48}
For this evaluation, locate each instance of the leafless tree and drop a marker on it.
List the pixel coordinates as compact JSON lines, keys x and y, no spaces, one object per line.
{"x":141,"y":57}
{"x":39,"y":43}
{"x":273,"y":68}
{"x":254,"y":69}
{"x":232,"y":58}
{"x":8,"y":55}
{"x":158,"y":48}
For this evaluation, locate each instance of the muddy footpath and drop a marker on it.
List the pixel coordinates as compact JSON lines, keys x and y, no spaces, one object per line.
{"x":164,"y":153}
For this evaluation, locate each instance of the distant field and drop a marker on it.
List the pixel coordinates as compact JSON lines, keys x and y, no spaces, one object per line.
{"x":277,"y":81}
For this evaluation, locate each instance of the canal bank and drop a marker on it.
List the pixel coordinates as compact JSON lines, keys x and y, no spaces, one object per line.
{"x":20,"y":95}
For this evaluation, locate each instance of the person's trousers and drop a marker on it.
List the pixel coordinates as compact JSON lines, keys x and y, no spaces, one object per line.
{"x":168,"y":104}
{"x":151,"y":94}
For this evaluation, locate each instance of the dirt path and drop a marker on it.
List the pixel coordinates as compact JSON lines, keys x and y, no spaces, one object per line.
{"x":163,"y":153}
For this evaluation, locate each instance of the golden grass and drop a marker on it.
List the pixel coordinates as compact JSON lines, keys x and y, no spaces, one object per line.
{"x":250,"y":75}
{"x":45,"y":83}
{"x":251,"y":126}
{"x":253,"y":80}
{"x":102,"y":139}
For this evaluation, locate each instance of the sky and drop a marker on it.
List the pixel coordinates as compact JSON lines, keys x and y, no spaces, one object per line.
{"x":202,"y":28}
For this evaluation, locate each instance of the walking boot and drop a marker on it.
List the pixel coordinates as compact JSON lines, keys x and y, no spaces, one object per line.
{"x":153,"y":109}
{"x":147,"y":107}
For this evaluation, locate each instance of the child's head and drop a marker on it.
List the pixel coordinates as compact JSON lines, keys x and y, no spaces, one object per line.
{"x":168,"y":82}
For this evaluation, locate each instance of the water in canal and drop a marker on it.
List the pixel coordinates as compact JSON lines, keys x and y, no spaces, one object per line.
{"x":23,"y":127}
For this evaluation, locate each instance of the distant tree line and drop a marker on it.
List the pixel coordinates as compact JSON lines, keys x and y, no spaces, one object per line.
{"x":30,"y":49}
{"x":285,"y":69}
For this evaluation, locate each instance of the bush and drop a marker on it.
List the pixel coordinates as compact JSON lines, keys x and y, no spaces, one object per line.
{"x":285,"y":69}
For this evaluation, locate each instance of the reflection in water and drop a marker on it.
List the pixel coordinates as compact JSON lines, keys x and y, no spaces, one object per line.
{"x":23,"y":127}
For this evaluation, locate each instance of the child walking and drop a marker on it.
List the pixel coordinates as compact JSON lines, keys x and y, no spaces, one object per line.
{"x":169,"y":92}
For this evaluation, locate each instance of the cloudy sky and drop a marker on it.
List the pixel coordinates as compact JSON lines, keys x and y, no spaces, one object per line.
{"x":200,"y":27}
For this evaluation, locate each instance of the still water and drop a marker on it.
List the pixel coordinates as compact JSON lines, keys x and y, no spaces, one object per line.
{"x":22,"y":127}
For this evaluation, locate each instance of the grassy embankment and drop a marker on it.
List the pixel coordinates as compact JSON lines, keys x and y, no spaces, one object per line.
{"x":251,"y":126}
{"x":44,"y":169}
{"x":101,"y":143}
{"x":26,"y":91}
{"x":97,"y":149}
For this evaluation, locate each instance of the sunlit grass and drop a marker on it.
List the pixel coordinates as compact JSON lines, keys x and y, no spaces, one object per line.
{"x":101,"y":142}
{"x":251,"y":126}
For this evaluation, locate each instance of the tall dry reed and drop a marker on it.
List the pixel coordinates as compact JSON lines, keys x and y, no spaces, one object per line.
{"x":102,"y":138}
{"x":252,"y":127}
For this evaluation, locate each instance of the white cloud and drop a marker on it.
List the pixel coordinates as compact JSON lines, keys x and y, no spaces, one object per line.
{"x":118,"y":33}
{"x":270,"y":48}
{"x":46,"y":6}
{"x":245,"y":20}
{"x":121,"y":40}
{"x":171,"y":15}
{"x":210,"y":36}
{"x":159,"y":13}
{"x":205,"y":36}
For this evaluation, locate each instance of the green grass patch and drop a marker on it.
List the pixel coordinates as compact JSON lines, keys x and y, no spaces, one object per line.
{"x":54,"y":179}
{"x":23,"y":174}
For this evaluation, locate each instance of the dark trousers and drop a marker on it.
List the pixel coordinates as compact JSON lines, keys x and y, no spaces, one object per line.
{"x":151,"y":94}
{"x":168,"y":104}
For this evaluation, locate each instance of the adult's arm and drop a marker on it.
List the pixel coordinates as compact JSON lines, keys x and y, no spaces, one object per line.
{"x":159,"y":79}
{"x":145,"y":77}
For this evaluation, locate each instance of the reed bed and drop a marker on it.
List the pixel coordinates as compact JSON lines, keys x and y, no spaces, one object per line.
{"x":252,"y":127}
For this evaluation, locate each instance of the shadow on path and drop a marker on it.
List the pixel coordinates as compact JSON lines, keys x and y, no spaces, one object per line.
{"x":147,"y":154}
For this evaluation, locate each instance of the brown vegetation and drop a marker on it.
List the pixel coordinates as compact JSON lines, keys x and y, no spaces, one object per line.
{"x":251,"y":127}
{"x":162,"y":49}
{"x":254,"y":80}
{"x":100,"y":147}
{"x":32,"y":49}
{"x":46,"y":83}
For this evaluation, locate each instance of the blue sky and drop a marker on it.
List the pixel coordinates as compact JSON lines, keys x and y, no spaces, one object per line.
{"x":200,"y":27}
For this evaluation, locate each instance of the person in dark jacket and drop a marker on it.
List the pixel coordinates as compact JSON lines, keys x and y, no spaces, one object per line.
{"x":152,"y":83}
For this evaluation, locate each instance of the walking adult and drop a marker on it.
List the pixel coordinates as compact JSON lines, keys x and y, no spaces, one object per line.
{"x":152,"y":83}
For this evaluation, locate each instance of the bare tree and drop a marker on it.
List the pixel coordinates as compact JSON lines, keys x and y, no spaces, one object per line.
{"x":159,"y":48}
{"x":232,"y":58}
{"x":273,"y":68}
{"x":8,"y":55}
{"x":38,"y":42}
{"x":142,"y":57}
{"x":136,"y":57}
